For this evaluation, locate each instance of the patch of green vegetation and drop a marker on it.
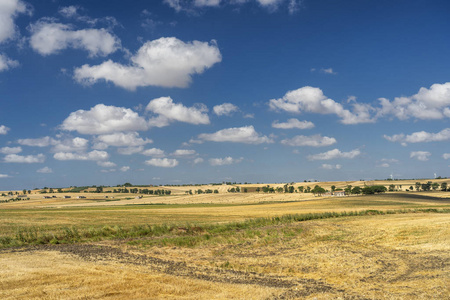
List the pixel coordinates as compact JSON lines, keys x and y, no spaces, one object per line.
{"x":188,"y":235}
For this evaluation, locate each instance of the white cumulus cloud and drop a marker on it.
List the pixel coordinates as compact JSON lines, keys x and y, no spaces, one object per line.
{"x":106,"y":164}
{"x":184,"y":152}
{"x":103,"y":119}
{"x":427,"y":104}
{"x":162,"y":162}
{"x":167,"y":62}
{"x":10,"y":150}
{"x":50,"y":38}
{"x":130,"y":150}
{"x":167,"y":112}
{"x":120,"y":139}
{"x":313,"y":141}
{"x":4,"y":176}
{"x":45,"y":170}
{"x":225,"y":109}
{"x":154,"y":152}
{"x":331,"y":167}
{"x":420,"y":155}
{"x":9,"y":10}
{"x":246,"y":135}
{"x":124,"y":168}
{"x":334,"y":154}
{"x":28,"y":159}
{"x":94,"y":155}
{"x":293,"y":123}
{"x":446,"y":155}
{"x":420,"y":137}
{"x":224,"y":161}
{"x":6,"y":63}
{"x":38,"y":142}
{"x":4,"y":129}
{"x":312,"y":100}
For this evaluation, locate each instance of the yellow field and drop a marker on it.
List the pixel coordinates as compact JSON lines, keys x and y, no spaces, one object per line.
{"x":401,"y":255}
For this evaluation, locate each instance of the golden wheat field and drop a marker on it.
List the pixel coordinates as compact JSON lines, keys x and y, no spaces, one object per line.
{"x":227,"y":246}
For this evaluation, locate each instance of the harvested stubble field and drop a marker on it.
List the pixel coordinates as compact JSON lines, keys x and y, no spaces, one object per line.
{"x":391,"y":246}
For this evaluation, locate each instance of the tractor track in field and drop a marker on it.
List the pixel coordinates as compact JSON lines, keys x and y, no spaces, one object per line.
{"x":291,"y":288}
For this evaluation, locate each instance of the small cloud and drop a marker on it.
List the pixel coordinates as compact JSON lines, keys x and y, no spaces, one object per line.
{"x":29,"y":159}
{"x":225,"y":109}
{"x":124,"y":168}
{"x":45,"y":170}
{"x":420,"y":155}
{"x":334,"y":154}
{"x":224,"y":161}
{"x":162,"y":162}
{"x":198,"y":160}
{"x":331,"y":167}
{"x":4,"y":129}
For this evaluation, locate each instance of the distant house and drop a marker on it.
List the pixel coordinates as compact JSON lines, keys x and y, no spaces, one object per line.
{"x":67,"y":197}
{"x":338,"y":194}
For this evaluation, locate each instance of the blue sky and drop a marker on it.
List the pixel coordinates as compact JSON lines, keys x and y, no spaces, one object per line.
{"x":198,"y":91}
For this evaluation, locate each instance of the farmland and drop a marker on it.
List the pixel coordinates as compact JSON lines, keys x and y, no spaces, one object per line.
{"x":226,"y":245}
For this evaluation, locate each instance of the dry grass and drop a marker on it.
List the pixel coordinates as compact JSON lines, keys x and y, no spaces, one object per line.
{"x":393,"y":256}
{"x":375,"y":257}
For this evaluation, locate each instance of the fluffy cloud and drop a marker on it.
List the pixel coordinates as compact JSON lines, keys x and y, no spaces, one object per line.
{"x":130,"y":150}
{"x":446,"y":155}
{"x":167,"y":112}
{"x":93,"y":155}
{"x":154,"y":152}
{"x":246,"y":134}
{"x":4,"y":129}
{"x":76,"y":144}
{"x":420,"y":137}
{"x":224,"y":161}
{"x":166,"y":62}
{"x":39,"y":142}
{"x":9,"y":9}
{"x":103,"y":119}
{"x":225,"y":109}
{"x":28,"y":159}
{"x":120,"y":139}
{"x":427,"y":104}
{"x":7,"y":63}
{"x":198,"y":160}
{"x":190,"y":6}
{"x":420,"y":155}
{"x":4,"y":176}
{"x":335,"y":153}
{"x":331,"y":167}
{"x":106,"y":164}
{"x":184,"y":152}
{"x":10,"y":150}
{"x":312,"y":100}
{"x":124,"y":168}
{"x":313,"y":141}
{"x":293,"y":123}
{"x":50,"y":38}
{"x":72,"y":12}
{"x":162,"y":162}
{"x":45,"y":170}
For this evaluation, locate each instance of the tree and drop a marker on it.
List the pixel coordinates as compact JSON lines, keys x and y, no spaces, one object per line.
{"x":391,"y":188}
{"x":418,"y":184}
{"x":280,"y":189}
{"x":348,"y":189}
{"x":300,"y":189}
{"x":435,"y":186}
{"x":356,"y":190}
{"x":411,"y":188}
{"x":291,"y":189}
{"x":318,"y":190}
{"x":333,"y":187}
{"x":99,"y":189}
{"x":426,"y":186}
{"x":258,"y":189}
{"x":444,"y":186}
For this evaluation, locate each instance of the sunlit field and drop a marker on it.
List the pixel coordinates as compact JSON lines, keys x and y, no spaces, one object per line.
{"x":227,"y":246}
